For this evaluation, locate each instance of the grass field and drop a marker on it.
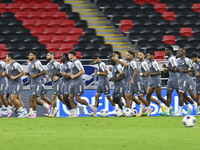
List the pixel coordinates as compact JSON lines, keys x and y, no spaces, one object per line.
{"x":98,"y":133}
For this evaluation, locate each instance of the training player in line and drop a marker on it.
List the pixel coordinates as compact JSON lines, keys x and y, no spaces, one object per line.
{"x":3,"y":86}
{"x":65,"y":69}
{"x":36,"y":70}
{"x":186,"y":83}
{"x":144,"y":69}
{"x":76,"y":86}
{"x":135,"y":82}
{"x":195,"y":58}
{"x":53,"y":73}
{"x":155,"y":79}
{"x":15,"y":72}
{"x":119,"y":84}
{"x":103,"y":83}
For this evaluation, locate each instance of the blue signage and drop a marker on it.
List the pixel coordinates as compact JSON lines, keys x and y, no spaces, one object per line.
{"x":89,"y":96}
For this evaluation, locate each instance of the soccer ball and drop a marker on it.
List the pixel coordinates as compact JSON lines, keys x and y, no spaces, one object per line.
{"x":189,"y":121}
{"x":118,"y":113}
{"x":128,"y":112}
{"x":104,"y":113}
{"x":134,"y":112}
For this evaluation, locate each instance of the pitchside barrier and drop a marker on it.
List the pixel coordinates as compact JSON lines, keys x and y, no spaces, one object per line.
{"x":90,"y":83}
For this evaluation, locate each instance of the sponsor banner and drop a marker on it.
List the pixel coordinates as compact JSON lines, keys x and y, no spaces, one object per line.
{"x":89,"y":96}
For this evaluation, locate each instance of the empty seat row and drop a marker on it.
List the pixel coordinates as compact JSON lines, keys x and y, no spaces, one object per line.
{"x":27,"y":7}
{"x":32,"y":1}
{"x":41,"y":15}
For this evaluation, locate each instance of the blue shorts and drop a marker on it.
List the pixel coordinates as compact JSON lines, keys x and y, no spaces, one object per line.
{"x":76,"y":90}
{"x":3,"y":86}
{"x":118,"y":91}
{"x":172,"y":85}
{"x":17,"y":88}
{"x":36,"y":90}
{"x":135,"y":88}
{"x":103,"y":89}
{"x":186,"y":85}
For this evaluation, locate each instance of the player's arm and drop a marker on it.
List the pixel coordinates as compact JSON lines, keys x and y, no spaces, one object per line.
{"x":27,"y":82}
{"x":20,"y":69}
{"x":157,"y":68}
{"x":4,"y":66}
{"x":133,"y":65}
{"x":104,"y":69}
{"x":120,"y":69}
{"x":122,"y":73}
{"x":174,"y":67}
{"x":39,"y":67}
{"x":80,"y":68}
{"x":121,"y":62}
{"x":190,"y":65}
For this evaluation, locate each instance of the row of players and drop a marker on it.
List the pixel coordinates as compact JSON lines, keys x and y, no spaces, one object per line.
{"x":131,"y":78}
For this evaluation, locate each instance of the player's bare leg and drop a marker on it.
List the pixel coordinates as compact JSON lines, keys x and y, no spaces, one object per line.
{"x":159,"y":95}
{"x":148,"y":98}
{"x":79,"y":100}
{"x":43,"y":97}
{"x":73,"y":106}
{"x":117,"y":100}
{"x":61,"y":99}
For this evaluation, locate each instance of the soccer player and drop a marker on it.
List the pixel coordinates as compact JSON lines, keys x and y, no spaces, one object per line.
{"x":135,"y":83}
{"x":76,"y":86}
{"x":3,"y":85}
{"x":65,"y":69}
{"x":186,"y":83}
{"x":195,"y":59}
{"x":119,"y":84}
{"x":103,"y":83}
{"x":155,"y":80}
{"x":144,"y":68}
{"x":36,"y":70}
{"x":53,"y":72}
{"x":14,"y":72}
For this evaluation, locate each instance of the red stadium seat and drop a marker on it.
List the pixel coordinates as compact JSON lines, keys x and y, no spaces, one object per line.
{"x":196,"y":7}
{"x":12,"y":7}
{"x":186,"y":32}
{"x":68,"y":24}
{"x":159,"y":55}
{"x":40,"y":7}
{"x":2,"y":47}
{"x":64,"y":32}
{"x":169,"y":39}
{"x":77,"y":32}
{"x":33,"y":1}
{"x":78,"y":55}
{"x":21,"y":15}
{"x":48,"y":15}
{"x":125,"y":25}
{"x":72,"y":39}
{"x":171,"y":16}
{"x":34,"y":15}
{"x":53,"y":47}
{"x":20,"y":1}
{"x":43,"y":23}
{"x":152,"y":1}
{"x":46,"y":1}
{"x":66,"y":47}
{"x":29,"y":23}
{"x":56,"y":23}
{"x":141,"y":2}
{"x":60,"y":16}
{"x":37,"y":31}
{"x":27,"y":7}
{"x":3,"y":8}
{"x":58,"y":54}
{"x":160,"y":7}
{"x":53,"y":7}
{"x":45,"y":39}
{"x":50,"y":31}
{"x":3,"y":54}
{"x":58,"y":39}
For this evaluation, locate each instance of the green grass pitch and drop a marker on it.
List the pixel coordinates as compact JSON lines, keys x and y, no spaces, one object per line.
{"x":135,"y":133}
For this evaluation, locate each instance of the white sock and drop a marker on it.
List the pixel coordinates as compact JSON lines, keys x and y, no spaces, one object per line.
{"x":115,"y":107}
{"x":34,"y":112}
{"x":180,"y":109}
{"x":45,"y":105}
{"x":195,"y":104}
{"x":95,"y":110}
{"x":30,"y":111}
{"x":91,"y":107}
{"x":73,"y":112}
{"x":188,"y":106}
{"x":70,"y":112}
{"x":0,"y":110}
{"x":20,"y":109}
{"x":141,"y":107}
{"x":52,"y":111}
{"x":167,"y":109}
{"x":161,"y":105}
{"x":8,"y":109}
{"x":79,"y":106}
